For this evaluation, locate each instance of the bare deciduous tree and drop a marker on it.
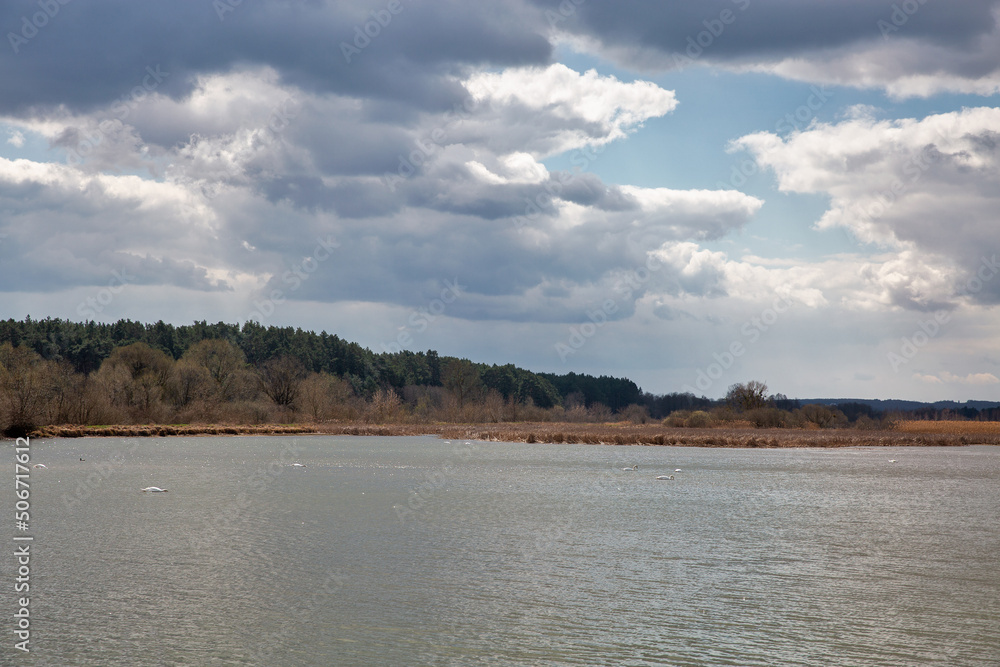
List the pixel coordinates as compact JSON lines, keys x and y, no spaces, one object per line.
{"x":191,"y":382}
{"x":599,"y":412}
{"x":323,"y":396}
{"x":385,"y":407}
{"x":135,"y":378}
{"x":24,"y":388}
{"x":224,"y":362}
{"x":281,"y":379}
{"x":823,"y":415}
{"x":747,"y":396}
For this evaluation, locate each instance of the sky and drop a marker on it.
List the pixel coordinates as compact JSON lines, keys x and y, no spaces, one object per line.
{"x":686,"y":194}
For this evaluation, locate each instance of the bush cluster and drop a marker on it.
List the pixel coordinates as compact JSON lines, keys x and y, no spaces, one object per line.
{"x":813,"y":416}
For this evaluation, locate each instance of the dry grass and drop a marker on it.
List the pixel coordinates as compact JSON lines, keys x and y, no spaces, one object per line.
{"x":919,"y":434}
{"x":950,"y":427}
{"x":650,"y":434}
{"x":154,"y":430}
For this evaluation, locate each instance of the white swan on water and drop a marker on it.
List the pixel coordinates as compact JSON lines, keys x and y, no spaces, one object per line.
{"x":154,"y":489}
{"x":665,"y":477}
{"x":298,"y":465}
{"x":635,"y":467}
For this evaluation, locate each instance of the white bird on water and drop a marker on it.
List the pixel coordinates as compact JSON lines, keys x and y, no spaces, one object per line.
{"x":154,"y":489}
{"x":892,"y":460}
{"x":665,"y":477}
{"x":635,"y":467}
{"x":298,"y":465}
{"x":677,"y":469}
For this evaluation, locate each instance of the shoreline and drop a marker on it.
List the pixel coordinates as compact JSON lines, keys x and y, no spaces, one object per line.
{"x":910,"y":434}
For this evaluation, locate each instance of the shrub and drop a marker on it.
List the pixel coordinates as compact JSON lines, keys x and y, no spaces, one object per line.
{"x":599,"y":412}
{"x":699,"y":419}
{"x":248,"y":412}
{"x":866,"y":423}
{"x":385,"y":407}
{"x":637,"y":414}
{"x":767,"y":417}
{"x":726,"y":414}
{"x":823,"y":416}
{"x":677,"y":418}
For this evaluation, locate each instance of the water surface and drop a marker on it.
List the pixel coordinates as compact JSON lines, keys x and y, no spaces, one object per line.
{"x":419,"y":551}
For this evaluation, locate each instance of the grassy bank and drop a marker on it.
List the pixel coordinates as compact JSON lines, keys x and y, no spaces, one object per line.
{"x":648,"y":434}
{"x":163,"y":430}
{"x":907,"y":434}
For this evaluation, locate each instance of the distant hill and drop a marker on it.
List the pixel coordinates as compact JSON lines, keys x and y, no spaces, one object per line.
{"x":894,"y":405}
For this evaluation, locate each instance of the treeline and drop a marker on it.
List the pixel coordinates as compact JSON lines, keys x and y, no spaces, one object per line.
{"x":61,"y":372}
{"x":58,"y":371}
{"x":968,"y":413}
{"x":749,"y":404}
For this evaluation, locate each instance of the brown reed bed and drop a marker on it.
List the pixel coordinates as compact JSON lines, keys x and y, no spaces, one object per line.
{"x":950,"y":427}
{"x":649,"y":434}
{"x":621,"y":433}
{"x":656,"y":434}
{"x":164,"y":430}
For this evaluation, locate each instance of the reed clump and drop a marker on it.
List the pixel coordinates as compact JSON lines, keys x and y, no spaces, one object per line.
{"x":608,"y":433}
{"x":146,"y":431}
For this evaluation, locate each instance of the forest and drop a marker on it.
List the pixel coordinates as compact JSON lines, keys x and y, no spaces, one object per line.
{"x":56,"y":371}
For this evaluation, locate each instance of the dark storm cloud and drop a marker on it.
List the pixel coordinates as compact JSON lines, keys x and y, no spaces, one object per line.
{"x":588,"y":190}
{"x":766,"y":28}
{"x":90,"y":53}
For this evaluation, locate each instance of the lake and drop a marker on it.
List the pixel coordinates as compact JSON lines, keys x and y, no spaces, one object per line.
{"x":420,"y":551}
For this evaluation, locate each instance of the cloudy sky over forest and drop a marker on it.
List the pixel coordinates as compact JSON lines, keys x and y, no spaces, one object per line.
{"x":687,"y":194}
